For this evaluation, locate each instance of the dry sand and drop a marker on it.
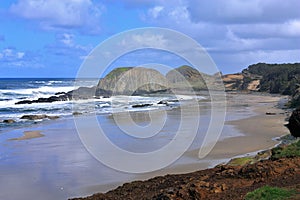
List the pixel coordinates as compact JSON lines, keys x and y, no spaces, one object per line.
{"x":259,"y":130}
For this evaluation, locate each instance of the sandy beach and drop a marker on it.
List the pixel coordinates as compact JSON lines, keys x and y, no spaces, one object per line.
{"x":57,"y":166}
{"x":259,"y":130}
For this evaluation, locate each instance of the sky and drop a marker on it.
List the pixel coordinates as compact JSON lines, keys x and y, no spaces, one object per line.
{"x":51,"y":38}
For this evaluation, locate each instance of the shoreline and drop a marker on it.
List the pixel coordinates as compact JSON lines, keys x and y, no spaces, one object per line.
{"x":261,"y":139}
{"x":253,"y":140}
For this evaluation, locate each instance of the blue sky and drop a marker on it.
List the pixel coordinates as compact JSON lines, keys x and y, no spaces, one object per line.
{"x":51,"y":38}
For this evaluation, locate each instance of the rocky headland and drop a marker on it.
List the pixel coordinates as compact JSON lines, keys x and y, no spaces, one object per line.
{"x":261,"y":77}
{"x":137,"y":81}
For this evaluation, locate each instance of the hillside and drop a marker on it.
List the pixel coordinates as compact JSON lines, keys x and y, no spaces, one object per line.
{"x":128,"y":80}
{"x":271,"y":78}
{"x":276,"y":78}
{"x":180,"y":76}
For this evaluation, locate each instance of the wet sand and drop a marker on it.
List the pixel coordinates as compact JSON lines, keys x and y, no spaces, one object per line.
{"x":29,"y":135}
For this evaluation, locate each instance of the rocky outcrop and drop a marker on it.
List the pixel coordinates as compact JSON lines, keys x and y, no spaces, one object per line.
{"x":134,"y":81}
{"x":295,"y":98}
{"x":38,"y":117}
{"x":294,"y":123}
{"x":8,"y":121}
{"x":221,"y":182}
{"x":80,"y":93}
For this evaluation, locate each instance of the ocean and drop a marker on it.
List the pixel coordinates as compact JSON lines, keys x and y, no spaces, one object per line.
{"x":13,"y":90}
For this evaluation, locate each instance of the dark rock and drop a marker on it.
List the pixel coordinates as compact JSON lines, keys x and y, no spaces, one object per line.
{"x":9,"y":121}
{"x":270,"y":113}
{"x":38,"y":117}
{"x":294,"y":123}
{"x":52,"y":117}
{"x":33,"y":117}
{"x":76,"y":113}
{"x":80,"y":93}
{"x":141,"y":105}
{"x":163,"y":102}
{"x":60,"y":93}
{"x":24,"y":102}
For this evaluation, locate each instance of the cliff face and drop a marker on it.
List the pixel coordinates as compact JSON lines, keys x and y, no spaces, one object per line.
{"x":241,"y":81}
{"x":128,"y":81}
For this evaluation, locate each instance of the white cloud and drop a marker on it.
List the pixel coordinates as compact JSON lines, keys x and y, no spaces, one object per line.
{"x":293,"y":28}
{"x":13,"y":57}
{"x":145,"y":40}
{"x":235,"y":27}
{"x":65,"y":45}
{"x":9,"y":54}
{"x":58,"y":14}
{"x":289,"y":29}
{"x":240,"y":11}
{"x":20,"y":55}
{"x":155,"y":11}
{"x":67,"y":39}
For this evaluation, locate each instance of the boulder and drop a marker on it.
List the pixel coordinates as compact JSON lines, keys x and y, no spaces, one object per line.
{"x":38,"y":117}
{"x":294,"y":123}
{"x":76,"y":113}
{"x":8,"y":121}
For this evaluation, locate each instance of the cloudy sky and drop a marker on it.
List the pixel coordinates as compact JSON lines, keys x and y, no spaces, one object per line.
{"x":51,"y":38}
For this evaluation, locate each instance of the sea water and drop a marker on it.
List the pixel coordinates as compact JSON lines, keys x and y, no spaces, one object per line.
{"x":13,"y":90}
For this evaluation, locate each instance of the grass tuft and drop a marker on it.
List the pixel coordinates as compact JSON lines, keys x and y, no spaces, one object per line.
{"x":268,"y":193}
{"x":289,"y":151}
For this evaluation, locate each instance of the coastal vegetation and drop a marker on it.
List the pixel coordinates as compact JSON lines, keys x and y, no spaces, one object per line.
{"x":289,"y":151}
{"x":268,"y":193}
{"x":276,"y":78}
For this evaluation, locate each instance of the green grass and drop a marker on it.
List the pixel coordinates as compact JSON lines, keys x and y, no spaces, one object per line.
{"x":269,"y":193}
{"x":117,"y":71}
{"x":240,"y":161}
{"x":292,"y":150}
